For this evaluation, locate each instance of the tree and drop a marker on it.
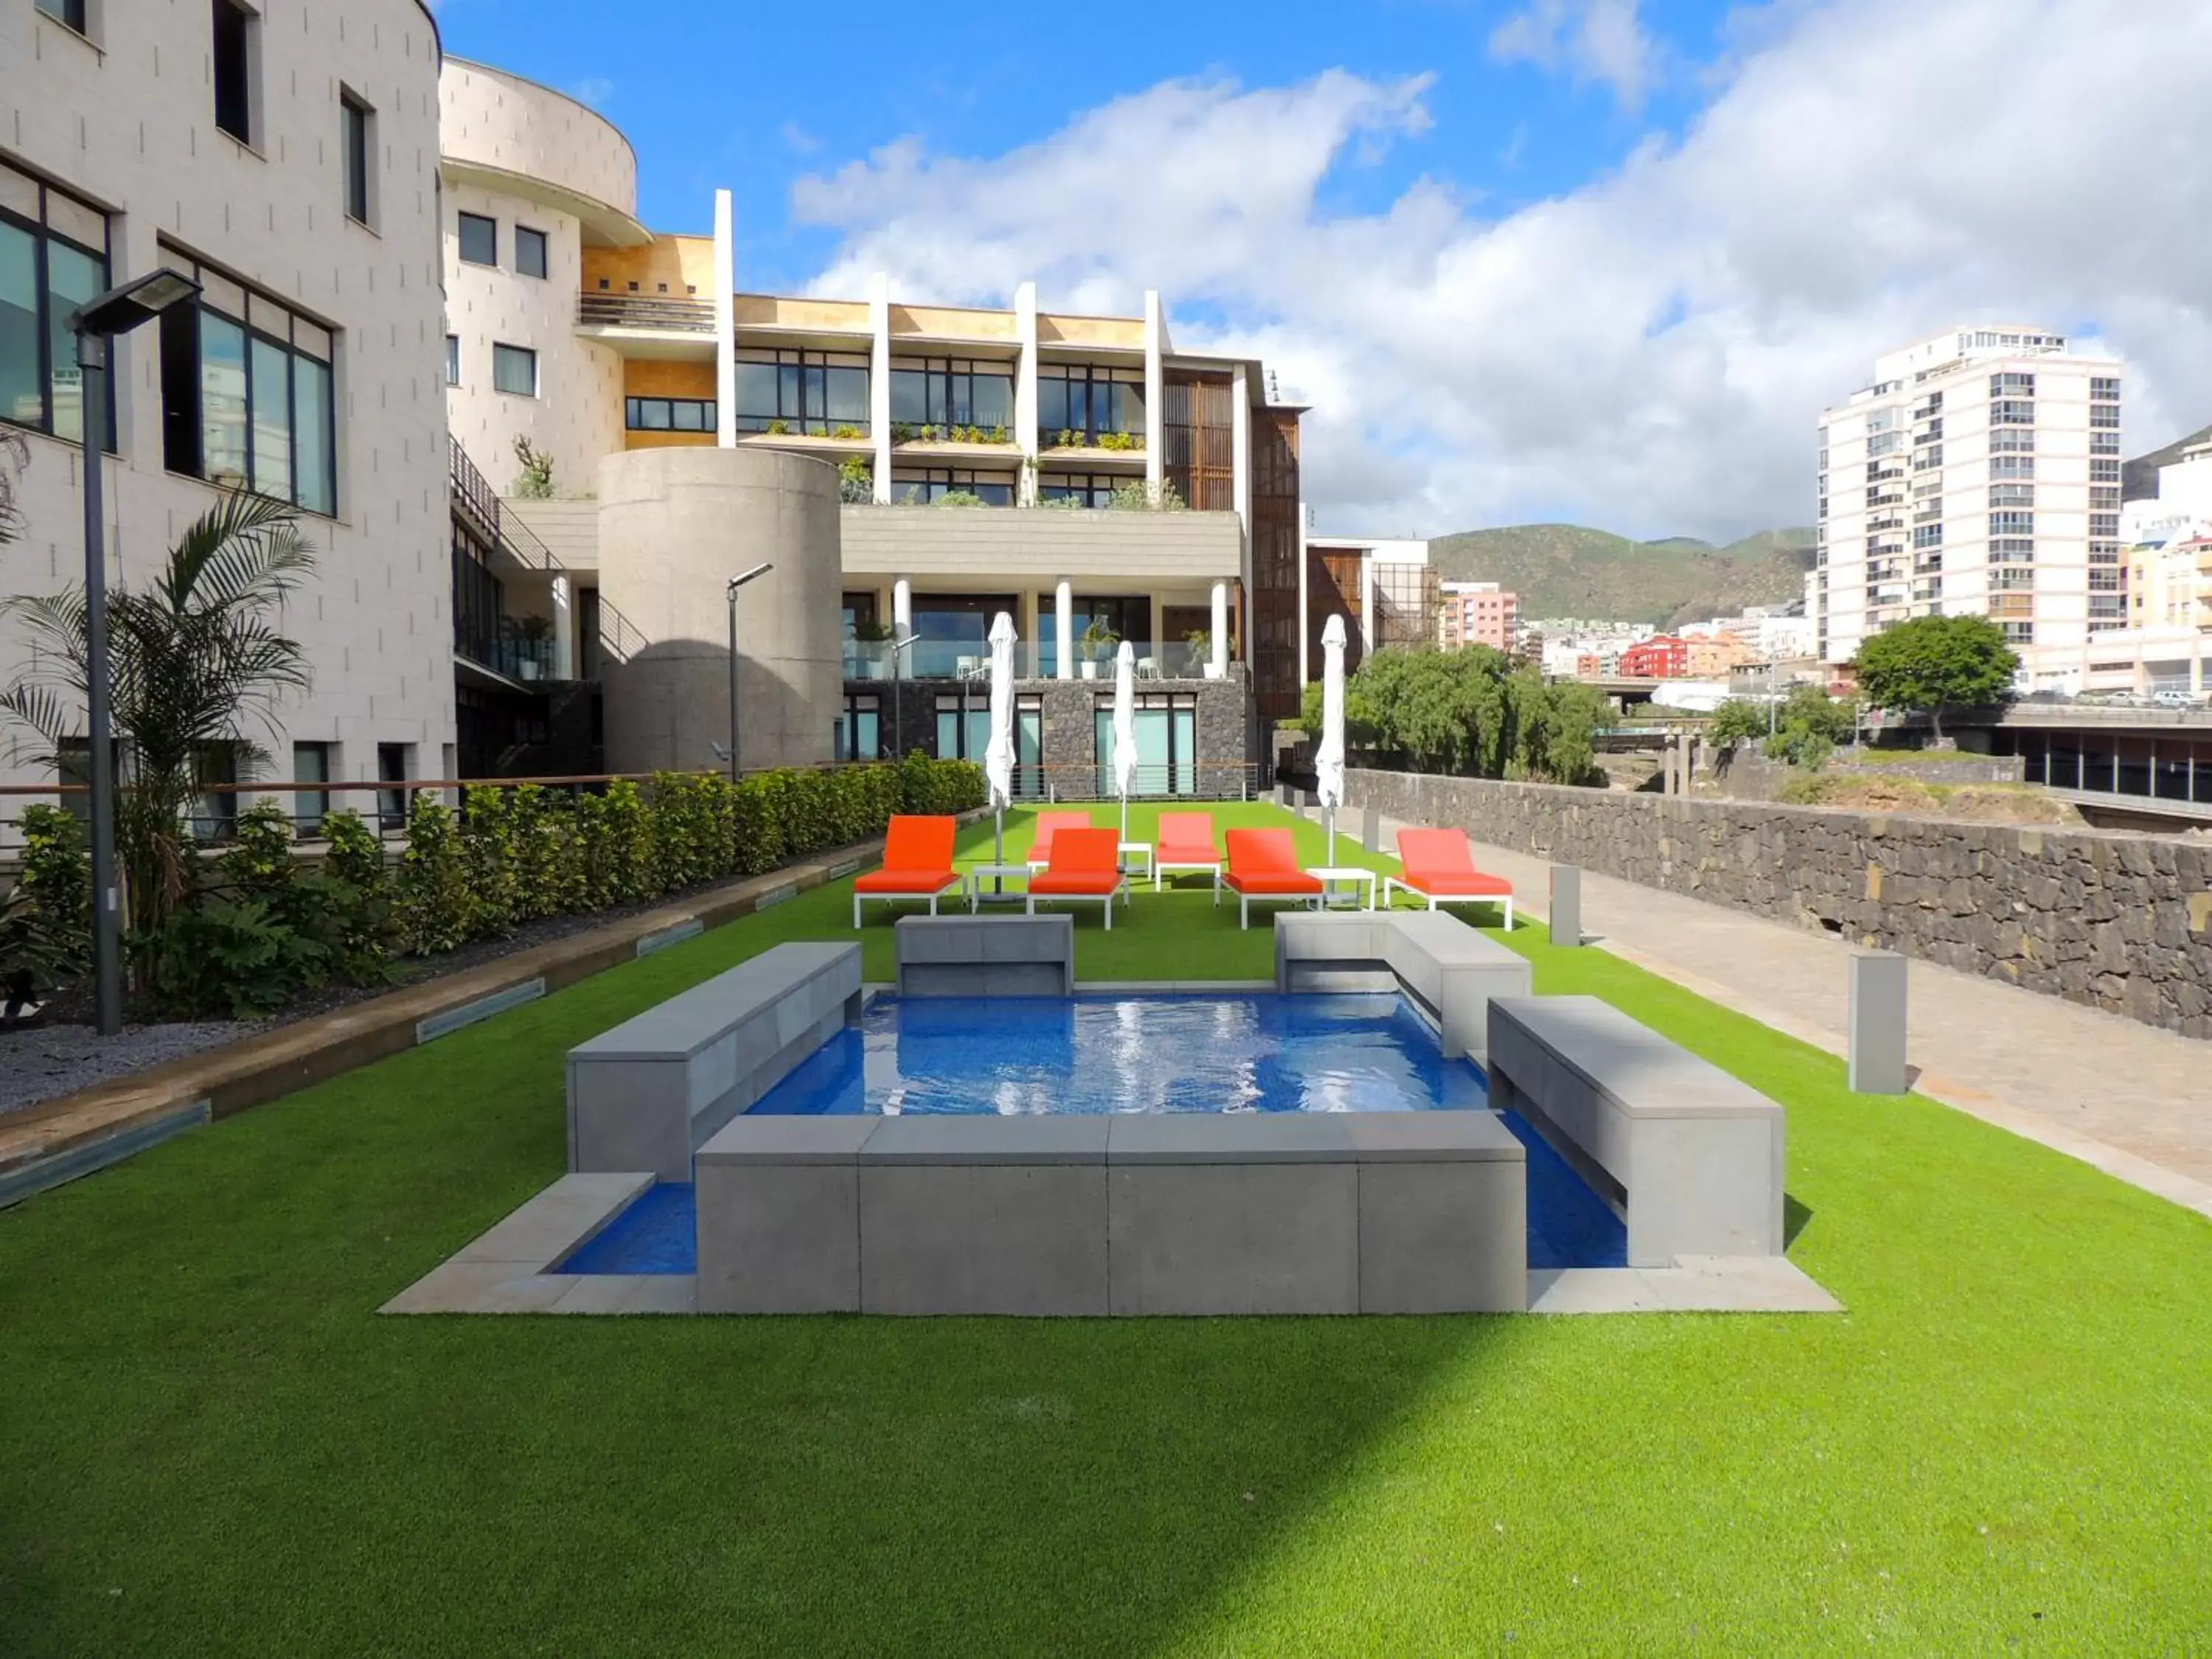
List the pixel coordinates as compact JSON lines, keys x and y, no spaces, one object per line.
{"x":1934,"y":663}
{"x":1737,"y":722}
{"x":1468,"y":712}
{"x":14,"y":456}
{"x":195,"y":662}
{"x":1809,"y":725}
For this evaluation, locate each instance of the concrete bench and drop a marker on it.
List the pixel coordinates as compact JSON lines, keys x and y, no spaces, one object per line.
{"x":1690,"y":1157}
{"x":986,"y":955}
{"x":1449,"y":968}
{"x":644,"y":1095}
{"x":1136,"y":1213}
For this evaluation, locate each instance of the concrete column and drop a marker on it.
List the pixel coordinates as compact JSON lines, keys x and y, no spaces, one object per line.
{"x":1877,"y":1022}
{"x":1371,"y":829}
{"x":1063,"y":631}
{"x":1025,"y":392}
{"x":1366,"y":602}
{"x":1156,"y":346}
{"x":902,"y":608}
{"x":1217,"y":637}
{"x":1305,"y":613}
{"x":564,"y":631}
{"x":1566,"y":906}
{"x":1241,"y":432}
{"x":880,"y":378}
{"x":725,"y":324}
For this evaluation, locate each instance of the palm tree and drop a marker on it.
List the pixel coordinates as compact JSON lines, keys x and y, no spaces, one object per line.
{"x":195,"y":661}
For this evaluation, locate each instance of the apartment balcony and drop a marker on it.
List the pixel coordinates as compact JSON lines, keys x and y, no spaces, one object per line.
{"x":1012,"y":550}
{"x":970,"y":659}
{"x":648,"y":326}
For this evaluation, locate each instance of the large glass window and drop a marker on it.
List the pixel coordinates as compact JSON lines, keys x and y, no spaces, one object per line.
{"x":53,"y":258}
{"x":234,"y":56}
{"x":1083,"y":402}
{"x":514,"y":368}
{"x":479,"y":240}
{"x":950,"y":391}
{"x":246,"y":394}
{"x":820,"y":394}
{"x":859,"y":731}
{"x":1167,"y":744}
{"x":952,"y":634}
{"x":357,"y":149}
{"x":70,"y":12}
{"x":1081,"y":489}
{"x":669,"y":414}
{"x":310,"y":763}
{"x":963,"y":733}
{"x":934,"y":484}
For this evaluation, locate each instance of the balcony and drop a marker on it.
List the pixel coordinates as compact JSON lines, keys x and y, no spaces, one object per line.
{"x":994,"y":550}
{"x":970,"y":659}
{"x":645,"y":314}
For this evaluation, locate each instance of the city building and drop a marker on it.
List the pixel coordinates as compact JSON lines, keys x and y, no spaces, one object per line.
{"x":1083,"y":474}
{"x":1478,"y":613}
{"x":1709,"y":654}
{"x":1662,"y":657}
{"x":1979,"y":474}
{"x":1385,"y":590}
{"x":2167,"y":527}
{"x":286,"y":168}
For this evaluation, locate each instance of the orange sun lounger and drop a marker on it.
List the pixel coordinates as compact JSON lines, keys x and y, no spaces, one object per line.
{"x":917,"y":863}
{"x":1086,"y":863}
{"x":1439,"y":867}
{"x":1264,"y":863}
{"x":1186,"y":843}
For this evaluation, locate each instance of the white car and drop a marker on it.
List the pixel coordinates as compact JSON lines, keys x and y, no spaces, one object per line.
{"x":2170,"y":699}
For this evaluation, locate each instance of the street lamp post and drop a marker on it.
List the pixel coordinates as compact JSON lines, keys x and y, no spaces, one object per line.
{"x":94,"y":324}
{"x":730,"y":592}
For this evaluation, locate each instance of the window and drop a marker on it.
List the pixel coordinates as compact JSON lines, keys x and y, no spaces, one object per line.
{"x":2011,"y":523}
{"x":2012,"y":386}
{"x":247,"y":395}
{"x":2105,"y":582}
{"x":1928,"y":535}
{"x":479,"y":240}
{"x":53,"y":258}
{"x":948,"y":391}
{"x":2012,"y":579}
{"x":2104,"y":472}
{"x":514,"y":368}
{"x":964,"y":734}
{"x":2012,"y":443}
{"x":1089,"y":402}
{"x":952,"y":634}
{"x":2105,"y":416}
{"x":821,"y":394}
{"x":669,"y":414}
{"x":2012,"y":495}
{"x":2012,"y":412}
{"x":530,"y":259}
{"x":2012,"y":466}
{"x":395,"y":764}
{"x":214,"y":815}
{"x":2104,"y":443}
{"x":453,"y":359}
{"x":310,"y":763}
{"x":2012,"y":549}
{"x":2105,"y":497}
{"x":1927,"y":459}
{"x":356,"y":148}
{"x":68,"y":13}
{"x":2104,"y":389}
{"x":1167,"y":744}
{"x":2104,"y":525}
{"x":859,"y":731}
{"x":2104,"y":552}
{"x":234,"y":53}
{"x":1084,"y":489}
{"x":932,"y":483}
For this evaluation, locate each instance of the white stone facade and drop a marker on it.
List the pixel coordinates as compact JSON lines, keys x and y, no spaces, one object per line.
{"x":1979,"y":475}
{"x":127,"y":126}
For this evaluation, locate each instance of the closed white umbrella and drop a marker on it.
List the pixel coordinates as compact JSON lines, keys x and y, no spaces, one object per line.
{"x":999,"y":754}
{"x":1328,"y":759}
{"x":1125,"y":727}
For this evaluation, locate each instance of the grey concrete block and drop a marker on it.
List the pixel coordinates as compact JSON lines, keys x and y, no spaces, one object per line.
{"x":1450,"y":968}
{"x":981,"y":1139}
{"x":1228,"y":1138}
{"x":779,"y":1139}
{"x":1564,"y":915}
{"x":1431,"y":1136}
{"x":1234,"y":1238}
{"x":986,"y":955}
{"x":1877,"y":1023}
{"x":1443,"y":1236}
{"x":1019,"y":1239}
{"x":779,"y":1238}
{"x":1371,"y":829}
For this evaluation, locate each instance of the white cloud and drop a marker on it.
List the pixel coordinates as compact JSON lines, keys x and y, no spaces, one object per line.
{"x":593,"y":89}
{"x":1599,"y":40}
{"x":1649,"y":351}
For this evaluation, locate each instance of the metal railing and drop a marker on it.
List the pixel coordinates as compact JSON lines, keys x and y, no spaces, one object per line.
{"x":654,"y":311}
{"x":471,"y":485}
{"x":1034,"y":660}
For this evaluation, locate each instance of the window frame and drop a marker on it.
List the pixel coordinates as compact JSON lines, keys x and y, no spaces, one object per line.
{"x":544,"y":246}
{"x":462,"y":219}
{"x":799,"y":374}
{"x":357,"y":157}
{"x":46,"y":325}
{"x":948,"y":384}
{"x":528,"y":352}
{"x":249,"y":92}
{"x":453,"y":359}
{"x":75,"y":15}
{"x":634,"y":410}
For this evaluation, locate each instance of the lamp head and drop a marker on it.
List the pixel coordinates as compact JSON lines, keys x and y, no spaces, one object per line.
{"x":139,"y":300}
{"x":744,"y":577}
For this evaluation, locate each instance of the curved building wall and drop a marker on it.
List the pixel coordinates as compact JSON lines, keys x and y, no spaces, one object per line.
{"x":576,"y":413}
{"x":490,"y":119}
{"x":675,"y":524}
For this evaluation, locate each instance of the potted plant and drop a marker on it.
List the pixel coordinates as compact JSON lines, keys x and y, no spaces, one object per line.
{"x":869,"y":665}
{"x":1099,"y":640}
{"x":1198,"y":643}
{"x":533,"y":649}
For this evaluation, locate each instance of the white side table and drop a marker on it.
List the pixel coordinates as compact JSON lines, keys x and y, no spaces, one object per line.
{"x":1128,"y":850}
{"x":973,"y":879}
{"x":1349,"y":877}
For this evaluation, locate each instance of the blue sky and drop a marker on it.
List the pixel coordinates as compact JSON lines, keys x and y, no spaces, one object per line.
{"x":1601,"y":261}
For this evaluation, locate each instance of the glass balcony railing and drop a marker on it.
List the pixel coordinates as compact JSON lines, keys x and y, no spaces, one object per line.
{"x":925,"y":658}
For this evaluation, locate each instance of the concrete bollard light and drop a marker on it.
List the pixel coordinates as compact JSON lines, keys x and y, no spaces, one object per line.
{"x":1371,"y":829}
{"x":1566,"y":906}
{"x":1877,"y":1021}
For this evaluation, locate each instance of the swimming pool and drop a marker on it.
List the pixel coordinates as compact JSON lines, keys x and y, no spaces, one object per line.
{"x":1108,"y":1053}
{"x":1086,"y":1054}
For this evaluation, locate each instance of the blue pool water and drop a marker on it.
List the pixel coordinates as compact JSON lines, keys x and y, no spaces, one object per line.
{"x":1132,"y":1054}
{"x":1157,"y":1053}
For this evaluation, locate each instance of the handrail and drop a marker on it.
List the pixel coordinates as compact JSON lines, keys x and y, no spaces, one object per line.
{"x":470,"y":485}
{"x":681,"y":312}
{"x":619,"y":637}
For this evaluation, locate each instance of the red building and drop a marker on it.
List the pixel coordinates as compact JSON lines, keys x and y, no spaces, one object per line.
{"x":1662,"y":657}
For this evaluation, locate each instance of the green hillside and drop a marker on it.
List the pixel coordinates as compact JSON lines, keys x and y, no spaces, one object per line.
{"x":1568,"y":570}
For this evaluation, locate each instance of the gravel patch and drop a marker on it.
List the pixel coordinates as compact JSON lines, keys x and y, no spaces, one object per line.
{"x":48,"y":1060}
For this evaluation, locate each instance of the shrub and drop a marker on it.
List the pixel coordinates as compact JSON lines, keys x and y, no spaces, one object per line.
{"x":690,"y":828}
{"x":756,"y":828}
{"x":367,"y":923}
{"x":229,"y":959}
{"x":488,"y":861}
{"x":615,"y":838}
{"x":938,"y":786}
{"x":45,"y":918}
{"x":435,"y":894}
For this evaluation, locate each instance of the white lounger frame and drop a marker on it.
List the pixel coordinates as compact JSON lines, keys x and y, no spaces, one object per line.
{"x":1435,"y":899}
{"x":895,"y":898}
{"x":1212,"y":869}
{"x":1107,"y":899}
{"x":1307,"y":901}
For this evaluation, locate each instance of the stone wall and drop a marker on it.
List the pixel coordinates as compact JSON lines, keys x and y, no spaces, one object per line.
{"x":2120,"y":923}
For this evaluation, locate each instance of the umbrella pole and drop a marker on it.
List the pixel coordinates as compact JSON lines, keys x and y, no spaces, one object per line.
{"x":997,"y":848}
{"x":1332,"y":833}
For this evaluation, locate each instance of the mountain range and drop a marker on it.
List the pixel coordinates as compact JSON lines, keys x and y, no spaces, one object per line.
{"x":1571,"y":570}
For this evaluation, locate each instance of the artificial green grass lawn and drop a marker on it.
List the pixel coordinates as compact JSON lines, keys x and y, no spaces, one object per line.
{"x":212,"y":1444}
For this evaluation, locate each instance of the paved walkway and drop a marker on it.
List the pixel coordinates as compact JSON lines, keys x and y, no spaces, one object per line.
{"x":2132,"y":1100}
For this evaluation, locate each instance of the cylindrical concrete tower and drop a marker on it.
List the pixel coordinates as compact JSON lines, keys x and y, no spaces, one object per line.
{"x":675,"y":524}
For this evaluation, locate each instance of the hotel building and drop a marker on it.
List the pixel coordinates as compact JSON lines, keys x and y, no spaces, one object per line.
{"x":1477,"y":613}
{"x":291,"y":171}
{"x":1084,"y":474}
{"x":1386,"y":590}
{"x":1979,"y":474}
